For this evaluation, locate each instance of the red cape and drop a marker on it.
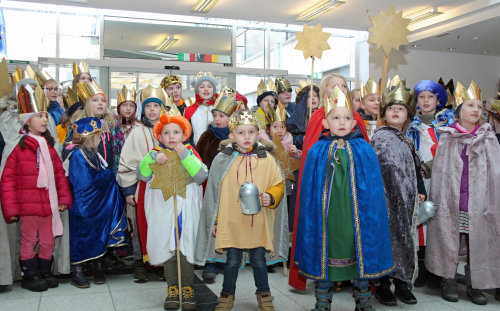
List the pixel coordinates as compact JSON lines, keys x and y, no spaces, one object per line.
{"x":313,"y":133}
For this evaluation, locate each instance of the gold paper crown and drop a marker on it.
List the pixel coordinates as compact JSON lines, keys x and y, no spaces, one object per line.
{"x":226,"y":101}
{"x":283,"y":84}
{"x":242,"y":117}
{"x":78,"y":69}
{"x":168,"y":80}
{"x":278,"y":115}
{"x":303,"y":84}
{"x":204,"y":73}
{"x":21,"y":74}
{"x":172,"y":108}
{"x":337,"y":99}
{"x":396,"y":92}
{"x":150,"y":91}
{"x":31,"y":102}
{"x":42,"y":77}
{"x":494,"y":104}
{"x":188,"y":101}
{"x":126,"y":94}
{"x":462,"y":95}
{"x":262,"y":87}
{"x":71,"y":97}
{"x":5,"y":80}
{"x":86,"y":90}
{"x":371,"y":87}
{"x":450,"y":90}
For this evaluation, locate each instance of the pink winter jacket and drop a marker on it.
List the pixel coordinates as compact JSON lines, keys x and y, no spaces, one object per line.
{"x":18,"y":191}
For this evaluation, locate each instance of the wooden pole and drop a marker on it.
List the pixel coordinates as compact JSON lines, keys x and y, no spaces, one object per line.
{"x":384,"y":74}
{"x":309,"y":100}
{"x":177,"y":250}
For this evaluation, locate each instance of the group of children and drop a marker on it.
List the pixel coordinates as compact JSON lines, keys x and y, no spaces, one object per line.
{"x":215,"y":182}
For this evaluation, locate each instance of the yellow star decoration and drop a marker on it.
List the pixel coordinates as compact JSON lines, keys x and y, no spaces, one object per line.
{"x":287,"y":163}
{"x":312,"y":41}
{"x":389,"y":30}
{"x":170,"y":177}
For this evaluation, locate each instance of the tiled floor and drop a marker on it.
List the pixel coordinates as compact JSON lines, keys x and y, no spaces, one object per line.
{"x":121,"y":293}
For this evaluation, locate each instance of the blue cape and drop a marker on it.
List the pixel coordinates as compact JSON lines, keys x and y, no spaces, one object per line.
{"x":369,"y":210}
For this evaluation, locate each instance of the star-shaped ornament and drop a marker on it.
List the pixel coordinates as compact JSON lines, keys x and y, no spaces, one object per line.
{"x":170,"y":177}
{"x":287,"y":163}
{"x":312,"y":41}
{"x":389,"y":30}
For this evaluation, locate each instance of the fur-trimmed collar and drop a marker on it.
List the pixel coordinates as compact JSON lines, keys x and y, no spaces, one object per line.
{"x":260,"y":148}
{"x":7,"y":102}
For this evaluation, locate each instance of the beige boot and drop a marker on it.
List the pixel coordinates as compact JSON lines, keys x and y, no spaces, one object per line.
{"x":265,"y":301}
{"x":226,"y":302}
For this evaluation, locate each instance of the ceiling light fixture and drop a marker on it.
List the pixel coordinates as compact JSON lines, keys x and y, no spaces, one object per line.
{"x":485,"y":52}
{"x":167,"y":43}
{"x":203,"y":6}
{"x":318,"y":9}
{"x":452,"y":49}
{"x":423,"y":14}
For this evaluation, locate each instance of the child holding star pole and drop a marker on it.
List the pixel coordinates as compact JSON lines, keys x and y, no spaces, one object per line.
{"x":174,"y":174}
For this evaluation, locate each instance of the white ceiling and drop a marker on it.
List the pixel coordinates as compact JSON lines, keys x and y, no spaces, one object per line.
{"x":464,"y":18}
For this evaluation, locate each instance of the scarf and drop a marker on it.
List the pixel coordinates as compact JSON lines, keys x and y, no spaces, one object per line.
{"x":46,"y":180}
{"x":221,"y":133}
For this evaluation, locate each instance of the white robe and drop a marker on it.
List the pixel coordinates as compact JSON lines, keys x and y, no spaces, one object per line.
{"x":200,"y":121}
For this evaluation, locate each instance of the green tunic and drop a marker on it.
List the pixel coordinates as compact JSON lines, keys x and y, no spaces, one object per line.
{"x":342,"y":263}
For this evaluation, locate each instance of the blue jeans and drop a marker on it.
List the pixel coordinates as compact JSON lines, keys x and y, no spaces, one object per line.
{"x":358,"y":283}
{"x":259,"y":267}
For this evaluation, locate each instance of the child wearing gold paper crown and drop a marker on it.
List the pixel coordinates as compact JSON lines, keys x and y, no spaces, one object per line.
{"x":127,"y":110}
{"x":370,"y":102}
{"x":266,"y":96}
{"x":160,"y":204}
{"x":464,"y":186}
{"x":263,"y":234}
{"x":34,"y":189}
{"x":343,"y":234}
{"x":173,"y":87}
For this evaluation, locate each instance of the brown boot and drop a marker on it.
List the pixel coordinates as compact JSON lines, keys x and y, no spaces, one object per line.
{"x":226,"y":302}
{"x":265,"y":301}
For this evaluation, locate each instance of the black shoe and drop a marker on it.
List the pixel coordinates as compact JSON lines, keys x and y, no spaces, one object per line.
{"x":99,"y":271}
{"x":45,"y":267}
{"x":434,"y":281}
{"x":32,"y":280}
{"x":5,"y":288}
{"x":111,"y":260}
{"x":384,"y":294}
{"x":209,"y":271}
{"x":140,"y":272}
{"x":475,"y":295}
{"x":403,"y":292}
{"x":78,"y":278}
{"x":422,"y":274}
{"x":449,"y":290}
{"x":497,"y":294}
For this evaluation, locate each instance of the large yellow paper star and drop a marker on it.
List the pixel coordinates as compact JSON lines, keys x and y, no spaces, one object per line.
{"x":312,"y":41}
{"x":170,"y":177}
{"x":389,"y":30}
{"x":287,"y":163}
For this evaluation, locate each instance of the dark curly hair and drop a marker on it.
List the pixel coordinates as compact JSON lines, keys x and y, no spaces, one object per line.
{"x":46,"y":134}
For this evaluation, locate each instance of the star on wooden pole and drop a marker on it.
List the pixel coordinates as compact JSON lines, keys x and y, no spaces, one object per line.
{"x":287,"y":163}
{"x":388,"y":31}
{"x":312,"y":41}
{"x":171,"y":178}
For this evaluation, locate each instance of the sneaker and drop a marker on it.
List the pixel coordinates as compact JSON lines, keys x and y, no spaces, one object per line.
{"x":226,"y":302}
{"x":209,"y":272}
{"x":140,"y":272}
{"x":188,"y":301}
{"x":265,"y":301}
{"x":172,"y":300}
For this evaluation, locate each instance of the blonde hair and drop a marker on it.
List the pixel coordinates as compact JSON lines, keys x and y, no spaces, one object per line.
{"x":324,"y":83}
{"x":76,"y":79}
{"x":89,"y":142}
{"x":109,"y":120}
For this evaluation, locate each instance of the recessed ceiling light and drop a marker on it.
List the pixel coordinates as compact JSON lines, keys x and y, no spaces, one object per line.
{"x":79,"y":1}
{"x":452,"y":49}
{"x":441,"y":35}
{"x":415,"y":45}
{"x":485,"y":52}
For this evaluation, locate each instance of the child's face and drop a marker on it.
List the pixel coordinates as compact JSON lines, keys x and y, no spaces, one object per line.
{"x":98,"y":105}
{"x":340,"y":121}
{"x":471,"y":112}
{"x":85,"y":77}
{"x":51,"y":89}
{"x":268,"y":100}
{"x":336,"y":81}
{"x":356,"y":99}
{"x":127,"y":109}
{"x":285,"y":97}
{"x":396,"y":116}
{"x":206,"y":90}
{"x":427,"y":102}
{"x":152,"y":111}
{"x":244,"y":135}
{"x":370,"y":104}
{"x":171,"y":135}
{"x":175,"y":91}
{"x":314,"y":102}
{"x":220,"y":119}
{"x":278,"y":128}
{"x":38,"y":124}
